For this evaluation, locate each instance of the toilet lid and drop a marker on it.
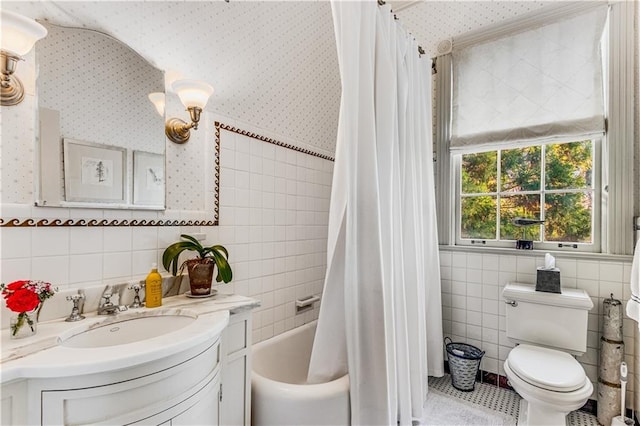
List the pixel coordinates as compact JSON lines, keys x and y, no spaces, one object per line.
{"x":547,"y":368}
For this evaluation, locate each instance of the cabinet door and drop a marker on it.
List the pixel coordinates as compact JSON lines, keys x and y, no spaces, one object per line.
{"x":235,"y":405}
{"x":233,"y":393}
{"x":205,"y":409}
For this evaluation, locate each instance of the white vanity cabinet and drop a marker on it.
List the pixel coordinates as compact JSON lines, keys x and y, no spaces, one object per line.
{"x":183,"y":390}
{"x":200,"y":375}
{"x":235,"y":397}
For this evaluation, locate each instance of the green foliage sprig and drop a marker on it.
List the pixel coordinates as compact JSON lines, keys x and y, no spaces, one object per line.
{"x":215,"y":253}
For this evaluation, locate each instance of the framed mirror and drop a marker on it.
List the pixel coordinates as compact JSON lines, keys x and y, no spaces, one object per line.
{"x":101,"y":141}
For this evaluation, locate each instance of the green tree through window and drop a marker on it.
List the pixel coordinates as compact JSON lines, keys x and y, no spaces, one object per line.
{"x":552,"y":182}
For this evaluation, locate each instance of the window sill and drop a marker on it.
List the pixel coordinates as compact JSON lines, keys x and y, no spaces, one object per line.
{"x":534,"y":253}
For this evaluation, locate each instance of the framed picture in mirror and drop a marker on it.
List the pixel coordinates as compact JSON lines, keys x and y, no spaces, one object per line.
{"x":148,"y":178}
{"x":94,"y":172}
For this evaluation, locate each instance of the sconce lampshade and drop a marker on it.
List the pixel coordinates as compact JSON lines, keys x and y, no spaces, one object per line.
{"x":19,"y":33}
{"x":17,"y":37}
{"x":157,"y":99}
{"x":192,"y":93}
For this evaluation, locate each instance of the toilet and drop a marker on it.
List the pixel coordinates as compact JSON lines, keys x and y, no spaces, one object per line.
{"x":549,"y":329}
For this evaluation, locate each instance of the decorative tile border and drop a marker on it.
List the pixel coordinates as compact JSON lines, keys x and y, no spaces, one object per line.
{"x":219,"y":126}
{"x":37,"y":223}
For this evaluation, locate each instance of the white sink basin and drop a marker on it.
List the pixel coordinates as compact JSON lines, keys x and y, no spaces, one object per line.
{"x":125,"y":330}
{"x":112,"y":344}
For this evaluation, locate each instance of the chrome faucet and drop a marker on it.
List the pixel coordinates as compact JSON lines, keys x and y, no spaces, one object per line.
{"x":107,"y":307}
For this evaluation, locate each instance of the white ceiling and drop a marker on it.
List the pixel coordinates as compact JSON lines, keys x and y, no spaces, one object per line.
{"x":273,"y":64}
{"x":433,"y":21}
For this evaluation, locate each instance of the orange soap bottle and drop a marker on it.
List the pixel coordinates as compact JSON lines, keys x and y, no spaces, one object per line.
{"x":153,"y":288}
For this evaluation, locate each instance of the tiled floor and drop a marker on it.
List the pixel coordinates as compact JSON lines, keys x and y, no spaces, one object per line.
{"x":499,"y":399}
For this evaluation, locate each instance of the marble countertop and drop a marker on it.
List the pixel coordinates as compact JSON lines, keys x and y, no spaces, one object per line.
{"x":42,"y":355}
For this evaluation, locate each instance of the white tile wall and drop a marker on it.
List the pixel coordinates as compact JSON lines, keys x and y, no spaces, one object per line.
{"x":274,"y":220}
{"x":473,"y":310}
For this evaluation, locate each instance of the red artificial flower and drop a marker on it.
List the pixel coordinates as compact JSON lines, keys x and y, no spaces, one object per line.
{"x":17,"y":284}
{"x":22,"y":300}
{"x":26,"y":295}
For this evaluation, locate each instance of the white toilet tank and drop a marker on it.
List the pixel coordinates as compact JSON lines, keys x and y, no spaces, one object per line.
{"x":558,"y":321}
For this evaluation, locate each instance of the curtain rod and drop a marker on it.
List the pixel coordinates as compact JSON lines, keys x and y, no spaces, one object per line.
{"x":382,"y":3}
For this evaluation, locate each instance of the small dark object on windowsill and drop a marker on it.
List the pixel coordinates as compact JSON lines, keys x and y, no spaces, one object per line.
{"x":524,"y":245}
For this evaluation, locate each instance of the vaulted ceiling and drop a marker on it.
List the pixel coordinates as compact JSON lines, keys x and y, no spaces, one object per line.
{"x":273,"y":64}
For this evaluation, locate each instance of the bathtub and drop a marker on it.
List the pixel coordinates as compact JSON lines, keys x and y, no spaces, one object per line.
{"x":279,"y":392}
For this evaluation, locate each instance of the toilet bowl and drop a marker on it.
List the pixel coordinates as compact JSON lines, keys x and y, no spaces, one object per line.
{"x":551,"y":383}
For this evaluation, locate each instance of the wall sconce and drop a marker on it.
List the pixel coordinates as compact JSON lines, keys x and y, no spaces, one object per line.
{"x":194,"y":95}
{"x":157,"y":99}
{"x":19,"y":34}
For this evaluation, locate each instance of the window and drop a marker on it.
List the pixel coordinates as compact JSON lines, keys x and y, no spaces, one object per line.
{"x":554,"y":183}
{"x":521,"y":88}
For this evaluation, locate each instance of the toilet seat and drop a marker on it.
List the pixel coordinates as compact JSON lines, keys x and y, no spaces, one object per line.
{"x":546,"y":368}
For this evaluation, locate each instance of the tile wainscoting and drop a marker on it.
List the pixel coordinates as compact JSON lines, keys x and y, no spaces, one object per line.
{"x":474,"y":312}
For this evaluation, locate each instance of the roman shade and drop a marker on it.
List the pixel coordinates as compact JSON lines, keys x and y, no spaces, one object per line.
{"x":544,"y":83}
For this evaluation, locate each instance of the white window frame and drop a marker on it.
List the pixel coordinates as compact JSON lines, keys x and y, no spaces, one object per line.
{"x":594,"y":246}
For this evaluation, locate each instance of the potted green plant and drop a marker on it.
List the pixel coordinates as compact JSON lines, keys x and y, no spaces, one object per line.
{"x":201,"y":268}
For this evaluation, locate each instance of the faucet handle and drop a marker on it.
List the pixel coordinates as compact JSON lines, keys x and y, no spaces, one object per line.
{"x":135,"y":286}
{"x":137,"y":303}
{"x":75,"y":297}
{"x":75,"y":311}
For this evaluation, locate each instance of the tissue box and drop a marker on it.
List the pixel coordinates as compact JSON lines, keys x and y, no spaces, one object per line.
{"x":548,"y":280}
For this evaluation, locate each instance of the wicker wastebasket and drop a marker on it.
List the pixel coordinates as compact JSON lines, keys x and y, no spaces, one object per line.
{"x":464,"y":361}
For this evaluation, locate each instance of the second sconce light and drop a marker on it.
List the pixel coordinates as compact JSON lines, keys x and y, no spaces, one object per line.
{"x":194,"y":95}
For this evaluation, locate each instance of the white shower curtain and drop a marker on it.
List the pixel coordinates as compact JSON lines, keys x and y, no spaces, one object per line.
{"x":381,"y":317}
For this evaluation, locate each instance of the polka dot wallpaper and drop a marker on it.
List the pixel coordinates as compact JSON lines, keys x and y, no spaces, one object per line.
{"x":100,"y":88}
